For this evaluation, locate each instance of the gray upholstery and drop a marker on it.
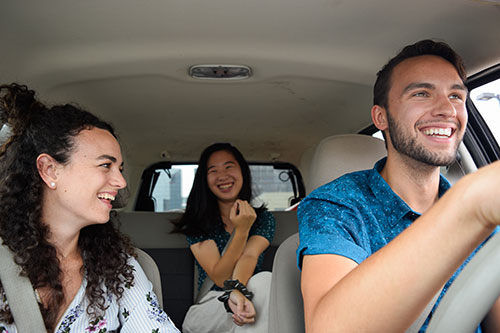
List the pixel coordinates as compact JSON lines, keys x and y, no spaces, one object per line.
{"x":152,"y":272}
{"x":151,"y":232}
{"x":472,"y":294}
{"x":340,"y":154}
{"x":285,"y":308}
{"x":333,"y":157}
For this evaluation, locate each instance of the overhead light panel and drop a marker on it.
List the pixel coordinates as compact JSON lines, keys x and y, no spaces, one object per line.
{"x":220,"y":72}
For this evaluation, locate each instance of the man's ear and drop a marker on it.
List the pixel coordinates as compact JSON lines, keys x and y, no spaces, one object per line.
{"x":379,"y":117}
{"x":47,"y":167}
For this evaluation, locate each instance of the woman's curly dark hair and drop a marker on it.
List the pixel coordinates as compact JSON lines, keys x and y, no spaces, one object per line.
{"x":37,"y":129}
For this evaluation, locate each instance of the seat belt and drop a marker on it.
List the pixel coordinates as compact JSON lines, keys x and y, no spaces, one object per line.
{"x":20,"y":294}
{"x":417,"y":324}
{"x":208,"y":283}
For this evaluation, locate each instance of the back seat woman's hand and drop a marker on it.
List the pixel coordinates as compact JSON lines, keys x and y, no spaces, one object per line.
{"x":242,"y":215}
{"x":242,"y":307}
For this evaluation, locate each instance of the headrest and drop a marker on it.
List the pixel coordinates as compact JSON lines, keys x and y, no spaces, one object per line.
{"x":341,"y":154}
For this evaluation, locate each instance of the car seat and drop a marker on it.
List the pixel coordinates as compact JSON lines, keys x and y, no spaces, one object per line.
{"x":152,"y":272}
{"x":341,"y":154}
{"x":334,"y":156}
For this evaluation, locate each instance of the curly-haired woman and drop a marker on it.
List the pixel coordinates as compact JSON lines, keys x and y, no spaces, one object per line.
{"x":218,"y":206}
{"x":59,"y":172}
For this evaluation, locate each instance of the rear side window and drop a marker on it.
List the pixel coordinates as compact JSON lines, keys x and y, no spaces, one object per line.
{"x":166,"y":186}
{"x":486,"y":99}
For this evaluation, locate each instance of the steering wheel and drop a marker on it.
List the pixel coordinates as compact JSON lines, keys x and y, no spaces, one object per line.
{"x":472,"y":294}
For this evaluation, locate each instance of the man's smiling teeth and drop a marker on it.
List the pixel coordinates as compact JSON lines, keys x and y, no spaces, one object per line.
{"x":438,"y":131}
{"x":106,"y":196}
{"x":225,"y":186}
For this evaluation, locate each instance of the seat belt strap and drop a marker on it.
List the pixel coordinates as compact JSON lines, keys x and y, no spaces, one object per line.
{"x":208,"y":283}
{"x":417,"y":324}
{"x":20,"y":294}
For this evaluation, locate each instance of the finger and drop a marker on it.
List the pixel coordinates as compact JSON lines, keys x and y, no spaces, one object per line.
{"x":234,"y":210}
{"x":245,"y":209}
{"x":247,"y":320}
{"x":236,"y":320}
{"x":240,"y":307}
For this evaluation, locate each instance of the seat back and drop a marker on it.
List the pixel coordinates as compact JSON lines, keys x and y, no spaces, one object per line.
{"x":341,"y":154}
{"x":152,"y":272}
{"x":333,"y":157}
{"x":151,"y":232}
{"x":286,"y":312}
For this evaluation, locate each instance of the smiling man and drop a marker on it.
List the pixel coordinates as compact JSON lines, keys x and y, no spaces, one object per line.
{"x":376,"y":245}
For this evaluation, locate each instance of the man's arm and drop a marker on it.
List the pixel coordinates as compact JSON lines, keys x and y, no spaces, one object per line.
{"x":319,"y":274}
{"x":388,"y":291}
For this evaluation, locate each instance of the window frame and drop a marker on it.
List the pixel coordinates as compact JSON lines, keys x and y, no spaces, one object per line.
{"x":478,"y":137}
{"x":150,"y":175}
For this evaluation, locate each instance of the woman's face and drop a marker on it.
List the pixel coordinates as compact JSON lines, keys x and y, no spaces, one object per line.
{"x":90,"y":181}
{"x":224,"y":176}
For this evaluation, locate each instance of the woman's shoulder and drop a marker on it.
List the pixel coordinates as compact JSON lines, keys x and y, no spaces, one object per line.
{"x":264,"y":216}
{"x":213,"y":234}
{"x":264,"y":225}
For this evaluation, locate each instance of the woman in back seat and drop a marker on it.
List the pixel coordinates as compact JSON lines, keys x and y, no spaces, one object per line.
{"x":219,"y":219}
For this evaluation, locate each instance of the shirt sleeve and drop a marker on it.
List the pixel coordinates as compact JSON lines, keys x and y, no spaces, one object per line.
{"x":196,"y":239}
{"x":139,"y":308}
{"x":264,"y":225}
{"x":330,"y":227}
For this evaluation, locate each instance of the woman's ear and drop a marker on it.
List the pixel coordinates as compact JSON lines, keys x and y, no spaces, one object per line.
{"x":47,"y":167}
{"x":379,"y":117}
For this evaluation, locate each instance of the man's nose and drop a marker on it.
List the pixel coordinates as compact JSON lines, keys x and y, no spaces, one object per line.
{"x":445,"y":107}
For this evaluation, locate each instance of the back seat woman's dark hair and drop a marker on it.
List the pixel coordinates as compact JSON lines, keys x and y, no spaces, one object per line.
{"x":202,"y":209}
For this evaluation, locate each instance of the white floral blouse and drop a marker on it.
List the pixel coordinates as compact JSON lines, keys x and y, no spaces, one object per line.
{"x":137,"y":311}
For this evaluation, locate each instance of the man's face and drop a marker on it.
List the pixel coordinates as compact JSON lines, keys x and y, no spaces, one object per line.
{"x":426,"y":113}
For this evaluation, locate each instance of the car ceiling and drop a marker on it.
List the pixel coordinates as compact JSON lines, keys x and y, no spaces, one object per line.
{"x":313,"y":63}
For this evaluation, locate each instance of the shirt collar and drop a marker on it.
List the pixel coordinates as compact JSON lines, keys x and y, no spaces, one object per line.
{"x":393,"y":206}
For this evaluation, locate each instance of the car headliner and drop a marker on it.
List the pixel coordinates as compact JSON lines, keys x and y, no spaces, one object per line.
{"x":314,"y":64}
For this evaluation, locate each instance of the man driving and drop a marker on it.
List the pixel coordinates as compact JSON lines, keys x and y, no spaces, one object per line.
{"x":377,"y":245}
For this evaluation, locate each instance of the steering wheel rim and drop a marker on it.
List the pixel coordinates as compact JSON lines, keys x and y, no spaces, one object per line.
{"x":472,"y":294}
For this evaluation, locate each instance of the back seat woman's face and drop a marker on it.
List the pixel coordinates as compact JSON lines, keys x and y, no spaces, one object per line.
{"x":224,"y":176}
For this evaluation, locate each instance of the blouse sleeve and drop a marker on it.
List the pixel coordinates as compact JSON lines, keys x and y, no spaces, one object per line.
{"x":264,"y":226}
{"x":139,"y":308}
{"x":196,"y":239}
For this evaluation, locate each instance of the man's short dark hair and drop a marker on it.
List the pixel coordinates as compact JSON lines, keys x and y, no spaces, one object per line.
{"x":423,"y":47}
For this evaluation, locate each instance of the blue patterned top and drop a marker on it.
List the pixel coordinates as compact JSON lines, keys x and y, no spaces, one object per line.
{"x":354,"y":216}
{"x":264,"y":226}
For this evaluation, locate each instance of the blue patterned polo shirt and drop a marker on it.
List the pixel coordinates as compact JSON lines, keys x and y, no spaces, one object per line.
{"x":354,"y":216}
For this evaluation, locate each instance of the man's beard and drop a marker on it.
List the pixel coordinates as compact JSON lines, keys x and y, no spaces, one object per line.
{"x":408,"y":145}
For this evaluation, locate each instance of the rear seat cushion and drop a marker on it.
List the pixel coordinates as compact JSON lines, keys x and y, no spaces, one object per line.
{"x":151,"y":232}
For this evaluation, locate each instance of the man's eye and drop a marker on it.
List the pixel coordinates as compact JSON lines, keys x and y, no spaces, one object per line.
{"x":456,"y":96}
{"x":106,"y":165}
{"x":420,"y":94}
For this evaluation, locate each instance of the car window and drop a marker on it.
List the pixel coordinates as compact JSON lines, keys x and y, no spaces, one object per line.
{"x":277,"y":185}
{"x":486,"y":99}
